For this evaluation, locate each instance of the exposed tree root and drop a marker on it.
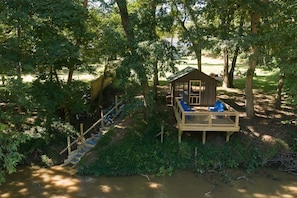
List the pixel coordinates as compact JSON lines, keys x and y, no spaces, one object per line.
{"x":284,"y":161}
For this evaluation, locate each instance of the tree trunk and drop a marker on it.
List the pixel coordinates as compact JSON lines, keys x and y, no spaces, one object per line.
{"x":226,"y":68}
{"x":100,"y":101}
{"x":153,"y":23}
{"x":72,"y":67}
{"x":196,"y":42}
{"x":85,"y":3}
{"x":156,"y":81}
{"x":122,"y":5}
{"x":250,"y":112}
{"x":236,"y":52}
{"x":196,"y":47}
{"x":233,"y":65}
{"x":278,"y":99}
{"x":19,"y":66}
{"x":198,"y":53}
{"x":70,"y":74}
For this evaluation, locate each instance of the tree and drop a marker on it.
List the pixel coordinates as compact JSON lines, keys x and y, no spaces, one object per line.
{"x":226,"y":21}
{"x":189,"y":16}
{"x":255,"y":10}
{"x":134,"y":59}
{"x":157,"y":54}
{"x":282,"y":38}
{"x":158,"y":59}
{"x":108,"y":43}
{"x":37,"y":37}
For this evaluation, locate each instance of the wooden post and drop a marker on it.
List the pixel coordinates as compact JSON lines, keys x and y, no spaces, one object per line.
{"x":116,"y":105}
{"x":102,"y":121}
{"x":180,"y":133}
{"x":210,"y":119}
{"x":228,"y":134}
{"x":82,"y":138}
{"x":162,"y":132}
{"x":68,"y":145}
{"x":203,"y":137}
{"x":195,"y":154}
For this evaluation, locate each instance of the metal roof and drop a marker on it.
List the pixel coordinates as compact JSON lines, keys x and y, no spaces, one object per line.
{"x":181,"y":73}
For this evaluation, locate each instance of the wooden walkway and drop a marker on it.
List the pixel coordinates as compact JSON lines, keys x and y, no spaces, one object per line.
{"x":81,"y":144}
{"x":202,"y":120}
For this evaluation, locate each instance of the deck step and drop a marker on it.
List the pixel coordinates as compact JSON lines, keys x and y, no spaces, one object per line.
{"x":91,"y":142}
{"x":75,"y":156}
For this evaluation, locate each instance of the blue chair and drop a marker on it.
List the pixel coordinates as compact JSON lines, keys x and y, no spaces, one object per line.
{"x":185,"y":106}
{"x":218,"y":107}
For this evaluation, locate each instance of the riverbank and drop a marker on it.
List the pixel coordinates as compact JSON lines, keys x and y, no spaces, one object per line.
{"x":62,"y":182}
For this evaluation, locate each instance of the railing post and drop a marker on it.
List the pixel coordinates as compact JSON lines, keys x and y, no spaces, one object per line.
{"x":82,"y":132}
{"x":209,"y":119}
{"x":116,"y":105}
{"x":68,"y":145}
{"x":162,"y":133}
{"x":102,"y":121}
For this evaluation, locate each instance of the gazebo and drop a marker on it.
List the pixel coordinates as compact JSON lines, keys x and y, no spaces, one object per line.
{"x":194,"y":86}
{"x":193,"y":96}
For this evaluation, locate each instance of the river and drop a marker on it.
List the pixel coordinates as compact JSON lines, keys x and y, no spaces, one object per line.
{"x":62,"y":182}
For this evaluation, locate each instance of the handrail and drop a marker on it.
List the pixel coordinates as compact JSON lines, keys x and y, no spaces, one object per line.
{"x":182,"y":115}
{"x":92,"y":127}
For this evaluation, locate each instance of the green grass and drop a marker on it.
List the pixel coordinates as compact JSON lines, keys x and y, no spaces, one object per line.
{"x":264,"y":83}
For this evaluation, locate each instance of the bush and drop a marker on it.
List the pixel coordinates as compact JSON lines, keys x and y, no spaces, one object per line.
{"x":135,"y":156}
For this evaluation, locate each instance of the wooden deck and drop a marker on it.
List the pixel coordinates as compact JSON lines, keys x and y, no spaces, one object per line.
{"x":202,"y":120}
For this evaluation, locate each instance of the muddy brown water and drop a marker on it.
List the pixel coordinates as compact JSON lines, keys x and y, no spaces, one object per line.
{"x":62,"y":182}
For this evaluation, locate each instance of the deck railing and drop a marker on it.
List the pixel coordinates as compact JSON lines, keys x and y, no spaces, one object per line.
{"x":202,"y":118}
{"x":116,"y":108}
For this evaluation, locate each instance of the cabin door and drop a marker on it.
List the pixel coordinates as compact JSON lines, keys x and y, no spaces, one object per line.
{"x":195,"y":92}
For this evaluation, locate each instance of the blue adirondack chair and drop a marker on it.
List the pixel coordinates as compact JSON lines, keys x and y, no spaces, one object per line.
{"x":218,"y":107}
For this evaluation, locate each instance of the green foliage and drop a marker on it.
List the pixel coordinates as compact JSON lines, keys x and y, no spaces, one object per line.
{"x":41,"y":36}
{"x":9,"y":154}
{"x":108,"y":38}
{"x":291,"y":139}
{"x":134,"y":154}
{"x":130,"y":158}
{"x":265,"y":83}
{"x":52,"y":98}
{"x":106,"y":139}
{"x":34,"y":111}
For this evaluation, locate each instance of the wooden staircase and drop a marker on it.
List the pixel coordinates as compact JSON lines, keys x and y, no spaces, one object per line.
{"x":83,"y":145}
{"x":75,"y":156}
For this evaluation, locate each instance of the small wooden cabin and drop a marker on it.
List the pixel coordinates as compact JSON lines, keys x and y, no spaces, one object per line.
{"x":195,"y":87}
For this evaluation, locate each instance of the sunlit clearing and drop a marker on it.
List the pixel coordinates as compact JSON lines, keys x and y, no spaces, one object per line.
{"x":23,"y":191}
{"x":287,"y":196}
{"x":258,"y":195}
{"x":44,"y":173}
{"x":20,"y":184}
{"x":241,"y":190}
{"x":105,"y":188}
{"x":154,"y":185}
{"x":267,"y":138}
{"x":6,"y":195}
{"x":293,"y":189}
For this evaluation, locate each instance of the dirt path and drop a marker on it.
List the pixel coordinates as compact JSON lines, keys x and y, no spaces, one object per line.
{"x":268,"y":123}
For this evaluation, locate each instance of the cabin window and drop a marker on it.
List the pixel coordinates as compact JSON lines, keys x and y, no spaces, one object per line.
{"x":195,"y":92}
{"x":181,"y":86}
{"x":195,"y":87}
